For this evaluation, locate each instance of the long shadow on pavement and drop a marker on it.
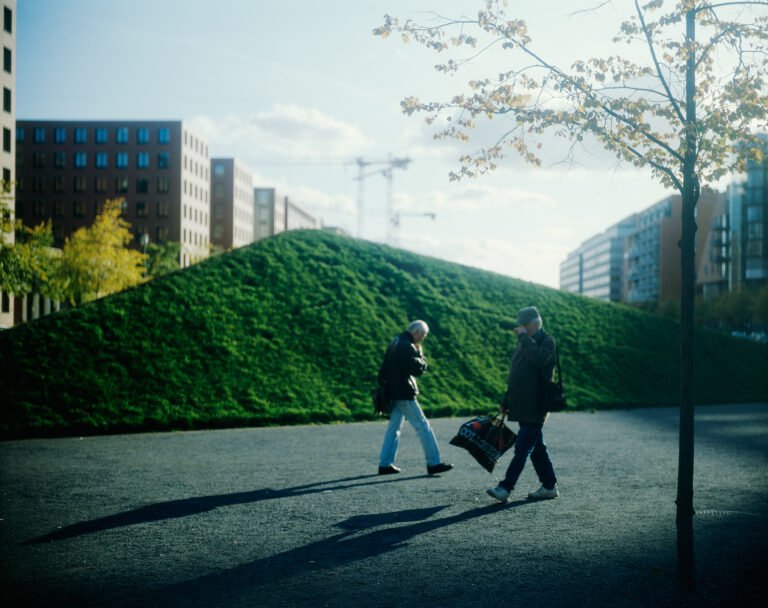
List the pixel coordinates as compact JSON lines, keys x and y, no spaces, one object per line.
{"x":342,"y":549}
{"x":185,"y":507}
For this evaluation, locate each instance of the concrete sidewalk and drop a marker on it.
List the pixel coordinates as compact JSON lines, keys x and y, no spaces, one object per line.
{"x":297,"y":517}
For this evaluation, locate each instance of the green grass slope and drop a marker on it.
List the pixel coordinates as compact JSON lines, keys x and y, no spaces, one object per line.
{"x":292,"y":329}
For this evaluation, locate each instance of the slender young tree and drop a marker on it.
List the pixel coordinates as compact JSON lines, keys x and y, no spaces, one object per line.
{"x":689,"y":112}
{"x":96,"y":260}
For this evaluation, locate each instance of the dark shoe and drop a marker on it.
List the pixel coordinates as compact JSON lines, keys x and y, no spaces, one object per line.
{"x":438,"y":468}
{"x":390,"y":470}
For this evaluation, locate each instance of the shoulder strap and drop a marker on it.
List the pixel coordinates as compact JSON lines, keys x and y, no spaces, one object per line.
{"x":559,"y":371}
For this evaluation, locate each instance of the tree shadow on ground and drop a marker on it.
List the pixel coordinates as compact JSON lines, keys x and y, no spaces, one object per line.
{"x":342,"y":549}
{"x":185,"y":507}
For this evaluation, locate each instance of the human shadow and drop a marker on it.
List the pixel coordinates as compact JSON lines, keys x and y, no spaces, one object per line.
{"x":185,"y":507}
{"x":342,"y":549}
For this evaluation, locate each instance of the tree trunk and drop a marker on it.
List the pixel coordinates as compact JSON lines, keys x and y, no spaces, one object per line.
{"x":690,"y":195}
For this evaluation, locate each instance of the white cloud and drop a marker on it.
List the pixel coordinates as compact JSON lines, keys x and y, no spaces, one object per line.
{"x":475,"y":197}
{"x":285,"y":131}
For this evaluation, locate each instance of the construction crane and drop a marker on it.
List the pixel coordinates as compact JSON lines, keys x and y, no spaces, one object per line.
{"x":389,"y":166}
{"x":393,"y":237}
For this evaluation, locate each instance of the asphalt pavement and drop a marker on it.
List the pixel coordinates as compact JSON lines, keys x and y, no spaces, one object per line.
{"x":297,"y":516}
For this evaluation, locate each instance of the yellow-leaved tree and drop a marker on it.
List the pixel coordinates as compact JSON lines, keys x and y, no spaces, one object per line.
{"x":96,"y":260}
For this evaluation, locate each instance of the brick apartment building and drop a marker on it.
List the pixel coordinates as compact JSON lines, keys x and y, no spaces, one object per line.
{"x":66,"y":170}
{"x":232,"y":204}
{"x":276,"y":213}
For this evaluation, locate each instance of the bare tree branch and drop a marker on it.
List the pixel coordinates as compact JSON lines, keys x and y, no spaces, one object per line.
{"x":659,"y":73}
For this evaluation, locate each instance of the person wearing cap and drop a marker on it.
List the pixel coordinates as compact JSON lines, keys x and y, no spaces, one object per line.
{"x":403,"y":361}
{"x":533,"y":359}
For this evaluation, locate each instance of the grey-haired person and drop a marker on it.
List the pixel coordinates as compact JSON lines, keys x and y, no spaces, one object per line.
{"x":533,"y":359}
{"x":403,"y":361}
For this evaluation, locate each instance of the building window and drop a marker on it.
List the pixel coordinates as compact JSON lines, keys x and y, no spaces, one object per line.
{"x":21,"y":134}
{"x":121,"y":185}
{"x":6,"y":303}
{"x":100,"y":184}
{"x":162,"y":234}
{"x":38,"y":208}
{"x":58,"y":183}
{"x":142,"y":160}
{"x":142,"y":136}
{"x":38,"y":184}
{"x":141,"y":209}
{"x":39,"y":135}
{"x":219,"y":169}
{"x":162,"y":209}
{"x":164,"y":136}
{"x":78,"y":209}
{"x":60,"y":135}
{"x":102,"y":160}
{"x":102,"y":135}
{"x":59,"y":160}
{"x":79,"y":184}
{"x":8,"y":20}
{"x":7,"y":60}
{"x":121,"y":160}
{"x":6,"y":100}
{"x":38,"y":160}
{"x":163,"y":160}
{"x":121,"y":135}
{"x":58,"y":209}
{"x":6,"y":140}
{"x":81,"y":135}
{"x":7,"y":186}
{"x":81,"y":160}
{"x":142,"y":185}
{"x":163,"y":185}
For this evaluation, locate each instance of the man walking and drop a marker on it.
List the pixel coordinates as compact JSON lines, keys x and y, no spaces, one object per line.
{"x":403,"y":361}
{"x":533,"y":359}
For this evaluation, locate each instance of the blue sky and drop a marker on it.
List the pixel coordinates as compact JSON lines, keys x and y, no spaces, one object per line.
{"x":297,"y":90}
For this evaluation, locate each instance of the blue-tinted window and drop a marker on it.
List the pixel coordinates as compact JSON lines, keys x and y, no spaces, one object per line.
{"x":102,"y":135}
{"x":21,"y":134}
{"x":81,"y":160}
{"x":121,"y":160}
{"x":163,"y":160}
{"x":60,"y":135}
{"x":163,"y":136}
{"x":81,"y":135}
{"x":102,"y":160}
{"x":142,"y":160}
{"x":39,"y":135}
{"x":122,"y":135}
{"x":142,"y":136}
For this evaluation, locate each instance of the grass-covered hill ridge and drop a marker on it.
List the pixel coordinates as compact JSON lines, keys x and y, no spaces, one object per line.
{"x":292,"y":330}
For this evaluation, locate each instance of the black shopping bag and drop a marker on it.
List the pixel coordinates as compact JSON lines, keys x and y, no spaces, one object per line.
{"x":486,"y":438}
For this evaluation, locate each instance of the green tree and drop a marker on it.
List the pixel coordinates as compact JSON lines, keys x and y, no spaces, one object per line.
{"x":678,"y":113}
{"x":96,"y":260}
{"x":28,"y":261}
{"x":162,"y":258}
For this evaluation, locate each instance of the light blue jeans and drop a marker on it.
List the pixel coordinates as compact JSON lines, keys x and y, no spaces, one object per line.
{"x":410,"y":410}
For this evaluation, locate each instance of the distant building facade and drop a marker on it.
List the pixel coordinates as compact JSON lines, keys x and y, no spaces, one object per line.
{"x":638,"y":260}
{"x":8,"y":125}
{"x":595,"y":269}
{"x":232,"y":204}
{"x":66,"y":170}
{"x":746,"y":252}
{"x":276,"y":213}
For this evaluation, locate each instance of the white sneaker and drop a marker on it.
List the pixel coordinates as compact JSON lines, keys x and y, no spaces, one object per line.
{"x":498,"y":493}
{"x":543,"y":494}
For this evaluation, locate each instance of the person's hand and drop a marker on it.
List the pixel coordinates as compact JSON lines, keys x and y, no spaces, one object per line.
{"x":520,"y":330}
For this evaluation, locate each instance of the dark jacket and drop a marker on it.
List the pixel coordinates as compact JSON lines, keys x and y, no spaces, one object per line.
{"x":402,"y":362}
{"x":533,"y":359}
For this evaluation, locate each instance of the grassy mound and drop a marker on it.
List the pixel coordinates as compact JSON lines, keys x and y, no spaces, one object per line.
{"x":292,"y":330}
